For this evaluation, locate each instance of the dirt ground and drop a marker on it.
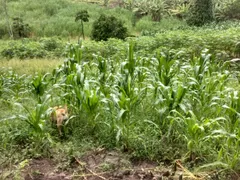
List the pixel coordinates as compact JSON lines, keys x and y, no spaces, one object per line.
{"x":103,"y":165}
{"x":107,"y":165}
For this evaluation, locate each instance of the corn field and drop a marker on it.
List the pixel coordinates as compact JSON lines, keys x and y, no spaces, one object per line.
{"x":162,"y":106}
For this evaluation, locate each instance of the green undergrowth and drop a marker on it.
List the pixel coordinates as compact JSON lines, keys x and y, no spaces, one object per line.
{"x":30,"y":48}
{"x":164,"y":106}
{"x":222,"y":43}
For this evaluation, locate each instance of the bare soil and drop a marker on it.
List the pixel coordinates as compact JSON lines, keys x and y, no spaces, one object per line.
{"x":104,"y":165}
{"x":101,"y":164}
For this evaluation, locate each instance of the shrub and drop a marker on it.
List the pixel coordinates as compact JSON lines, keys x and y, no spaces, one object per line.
{"x":20,"y":29}
{"x":232,"y":11}
{"x":27,"y":48}
{"x":49,"y":44}
{"x":201,"y":12}
{"x":108,"y":27}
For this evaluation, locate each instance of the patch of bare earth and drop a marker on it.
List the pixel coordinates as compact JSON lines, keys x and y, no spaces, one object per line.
{"x":104,"y":165}
{"x":43,"y":169}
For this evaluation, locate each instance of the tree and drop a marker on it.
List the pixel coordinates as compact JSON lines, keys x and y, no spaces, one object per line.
{"x":201,"y":12}
{"x":19,"y":28}
{"x":108,"y":27}
{"x":155,"y":8}
{"x":83,"y":17}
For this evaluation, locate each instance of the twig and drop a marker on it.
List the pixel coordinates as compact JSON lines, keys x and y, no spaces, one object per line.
{"x":92,"y":173}
{"x":95,"y":174}
{"x":185,"y":170}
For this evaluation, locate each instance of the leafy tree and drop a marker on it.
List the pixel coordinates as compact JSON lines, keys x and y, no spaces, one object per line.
{"x":20,"y":29}
{"x":108,"y":27}
{"x":201,"y":12}
{"x":231,"y":10}
{"x":83,"y":17}
{"x":155,"y":8}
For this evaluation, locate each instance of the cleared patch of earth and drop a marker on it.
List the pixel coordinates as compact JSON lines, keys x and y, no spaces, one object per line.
{"x":106,"y":165}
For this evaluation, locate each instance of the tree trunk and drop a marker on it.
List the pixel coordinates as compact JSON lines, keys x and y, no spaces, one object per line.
{"x":82,"y":30}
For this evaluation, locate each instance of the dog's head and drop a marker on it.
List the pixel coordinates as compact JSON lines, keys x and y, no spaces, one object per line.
{"x":59,"y":113}
{"x":62,"y":113}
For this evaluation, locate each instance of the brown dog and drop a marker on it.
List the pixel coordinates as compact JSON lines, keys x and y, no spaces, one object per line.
{"x":58,"y":115}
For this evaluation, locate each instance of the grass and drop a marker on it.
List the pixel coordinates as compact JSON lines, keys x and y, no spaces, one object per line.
{"x":30,"y":66}
{"x":56,"y":18}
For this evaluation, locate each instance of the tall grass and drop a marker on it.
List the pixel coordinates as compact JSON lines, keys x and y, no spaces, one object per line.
{"x":30,"y":66}
{"x":57,"y":18}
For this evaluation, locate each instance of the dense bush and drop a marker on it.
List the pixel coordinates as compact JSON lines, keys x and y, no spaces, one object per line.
{"x":229,"y":11}
{"x":20,"y":29}
{"x":108,"y":27}
{"x":201,"y":12}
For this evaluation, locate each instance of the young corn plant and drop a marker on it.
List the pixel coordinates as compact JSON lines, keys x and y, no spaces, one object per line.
{"x":103,"y":76}
{"x":168,"y":99}
{"x":207,"y":82}
{"x":14,"y":86}
{"x":74,"y":85}
{"x":164,"y":68}
{"x":36,"y":119}
{"x":126,"y":97}
{"x":40,"y":84}
{"x":75,"y":53}
{"x":232,"y":112}
{"x":225,"y":144}
{"x":90,"y":104}
{"x":201,"y":66}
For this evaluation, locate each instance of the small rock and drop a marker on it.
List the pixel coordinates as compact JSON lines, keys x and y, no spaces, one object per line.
{"x":118,"y":175}
{"x":126,"y":172}
{"x":166,"y":173}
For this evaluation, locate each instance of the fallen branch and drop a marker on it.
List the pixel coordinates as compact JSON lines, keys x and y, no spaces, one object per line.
{"x":92,"y":173}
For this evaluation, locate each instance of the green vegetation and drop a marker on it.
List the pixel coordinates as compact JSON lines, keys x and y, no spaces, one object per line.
{"x":83,"y":17}
{"x":156,"y":103}
{"x":57,"y":18}
{"x":169,"y":94}
{"x":201,"y":12}
{"x":29,"y":48}
{"x":20,"y":29}
{"x":106,"y":27}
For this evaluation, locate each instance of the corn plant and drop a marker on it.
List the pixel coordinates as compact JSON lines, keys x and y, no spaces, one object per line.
{"x":232,"y":111}
{"x":40,"y":84}
{"x":189,"y":129}
{"x":104,"y":75}
{"x":90,"y":104}
{"x":14,"y":86}
{"x":164,"y":67}
{"x":36,"y":119}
